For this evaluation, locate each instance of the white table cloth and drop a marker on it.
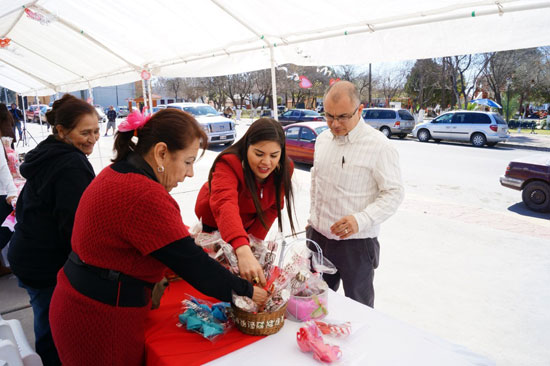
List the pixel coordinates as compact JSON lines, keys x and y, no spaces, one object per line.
{"x":376,"y":340}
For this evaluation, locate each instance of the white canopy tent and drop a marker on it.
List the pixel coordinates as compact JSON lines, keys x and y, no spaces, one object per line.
{"x":67,"y":45}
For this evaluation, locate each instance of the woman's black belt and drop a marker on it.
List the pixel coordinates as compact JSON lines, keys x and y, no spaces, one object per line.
{"x":106,"y":285}
{"x":208,"y":229}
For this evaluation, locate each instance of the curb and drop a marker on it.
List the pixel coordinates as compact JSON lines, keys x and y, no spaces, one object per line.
{"x":502,"y":144}
{"x":525,"y":147}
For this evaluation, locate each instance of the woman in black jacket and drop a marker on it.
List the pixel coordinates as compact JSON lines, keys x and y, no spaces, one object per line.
{"x":57,"y":173}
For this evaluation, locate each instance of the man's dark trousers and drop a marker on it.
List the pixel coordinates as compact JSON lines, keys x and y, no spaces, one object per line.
{"x":355,"y":259}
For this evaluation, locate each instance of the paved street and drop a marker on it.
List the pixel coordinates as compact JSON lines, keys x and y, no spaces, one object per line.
{"x":462,"y":258}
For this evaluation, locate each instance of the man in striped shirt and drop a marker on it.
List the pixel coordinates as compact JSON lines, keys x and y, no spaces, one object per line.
{"x":355,"y":186}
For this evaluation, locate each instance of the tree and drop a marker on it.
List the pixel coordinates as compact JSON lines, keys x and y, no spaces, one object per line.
{"x":239,"y":85}
{"x":215,"y":89}
{"x":391,"y":82}
{"x":174,"y":86}
{"x":424,"y":82}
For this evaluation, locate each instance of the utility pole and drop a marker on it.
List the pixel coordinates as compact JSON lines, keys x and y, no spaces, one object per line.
{"x":370,"y":86}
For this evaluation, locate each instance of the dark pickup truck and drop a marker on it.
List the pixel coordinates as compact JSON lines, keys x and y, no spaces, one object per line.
{"x":531,"y":176}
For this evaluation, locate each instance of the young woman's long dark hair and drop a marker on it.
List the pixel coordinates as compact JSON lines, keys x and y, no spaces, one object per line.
{"x":264,"y":129}
{"x":6,"y":122}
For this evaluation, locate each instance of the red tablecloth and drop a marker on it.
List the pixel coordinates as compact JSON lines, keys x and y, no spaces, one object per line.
{"x":167,"y":344}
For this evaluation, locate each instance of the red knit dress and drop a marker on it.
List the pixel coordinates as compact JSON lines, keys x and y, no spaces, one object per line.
{"x":229,"y":206}
{"x":121,"y":219}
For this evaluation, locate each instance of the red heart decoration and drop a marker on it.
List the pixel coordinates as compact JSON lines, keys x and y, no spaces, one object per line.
{"x":305,"y":83}
{"x":332,"y":81}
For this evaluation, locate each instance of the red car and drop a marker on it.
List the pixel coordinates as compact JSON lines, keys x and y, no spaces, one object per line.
{"x":531,"y":176}
{"x":300,"y":140}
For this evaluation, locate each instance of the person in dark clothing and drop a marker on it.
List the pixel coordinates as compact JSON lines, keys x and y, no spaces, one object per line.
{"x":18,"y":120}
{"x":111,"y":120}
{"x":8,"y":191}
{"x":137,"y":232}
{"x":57,"y":173}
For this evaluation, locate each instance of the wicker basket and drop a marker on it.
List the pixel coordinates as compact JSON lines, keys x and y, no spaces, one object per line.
{"x":259,"y":323}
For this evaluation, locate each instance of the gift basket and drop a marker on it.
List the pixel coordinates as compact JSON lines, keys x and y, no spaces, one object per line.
{"x":270,"y":318}
{"x":291,"y":279}
{"x":309,"y":293}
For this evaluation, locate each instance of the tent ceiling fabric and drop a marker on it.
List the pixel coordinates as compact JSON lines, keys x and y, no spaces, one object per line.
{"x":103,"y":42}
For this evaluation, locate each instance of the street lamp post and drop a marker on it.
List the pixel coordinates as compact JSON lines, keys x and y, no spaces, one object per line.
{"x":508,"y":82}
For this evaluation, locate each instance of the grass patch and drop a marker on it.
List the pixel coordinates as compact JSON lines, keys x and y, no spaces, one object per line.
{"x":528,"y":130}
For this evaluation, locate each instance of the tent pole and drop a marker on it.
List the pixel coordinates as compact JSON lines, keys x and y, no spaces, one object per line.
{"x":90,"y":94}
{"x":23,"y":107}
{"x":274,"y":84}
{"x":39,"y":117}
{"x":144,"y":94}
{"x":150,"y":94}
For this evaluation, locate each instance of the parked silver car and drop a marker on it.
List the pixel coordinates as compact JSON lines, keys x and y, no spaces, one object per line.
{"x":220,"y":130}
{"x":479,"y":128}
{"x":389,"y":121}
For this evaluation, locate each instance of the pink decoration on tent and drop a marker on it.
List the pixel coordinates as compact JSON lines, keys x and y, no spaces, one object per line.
{"x":145,"y":75}
{"x":38,"y":17}
{"x":305,"y":83}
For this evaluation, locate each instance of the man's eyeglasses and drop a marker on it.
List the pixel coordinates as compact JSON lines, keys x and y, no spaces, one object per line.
{"x":342,"y":118}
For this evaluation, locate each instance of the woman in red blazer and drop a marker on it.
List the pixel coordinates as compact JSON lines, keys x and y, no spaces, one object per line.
{"x":245,"y":192}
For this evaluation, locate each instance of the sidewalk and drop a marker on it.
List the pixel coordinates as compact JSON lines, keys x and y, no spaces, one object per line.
{"x":528,"y":141}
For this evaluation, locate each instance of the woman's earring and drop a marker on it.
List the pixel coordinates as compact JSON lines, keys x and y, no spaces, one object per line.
{"x":160,"y":169}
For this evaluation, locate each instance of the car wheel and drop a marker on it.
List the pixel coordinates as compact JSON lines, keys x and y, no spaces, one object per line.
{"x":478,"y":139}
{"x":492,"y":144}
{"x":536,"y":195}
{"x":386,"y":131}
{"x":402,"y":136}
{"x":423,"y":135}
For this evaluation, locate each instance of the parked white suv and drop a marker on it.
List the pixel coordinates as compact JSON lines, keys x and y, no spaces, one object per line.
{"x":479,"y":128}
{"x":389,"y":121}
{"x":220,"y":130}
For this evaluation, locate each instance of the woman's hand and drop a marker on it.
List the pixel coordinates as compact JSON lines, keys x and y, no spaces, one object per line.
{"x":259,"y":296}
{"x":249,"y":268}
{"x":11,"y":200}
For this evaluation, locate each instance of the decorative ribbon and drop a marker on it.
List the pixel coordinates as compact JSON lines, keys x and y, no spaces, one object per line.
{"x":321,"y":309}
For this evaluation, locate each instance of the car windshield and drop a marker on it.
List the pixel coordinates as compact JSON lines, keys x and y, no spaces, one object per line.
{"x":318,"y":130}
{"x":202,"y":110}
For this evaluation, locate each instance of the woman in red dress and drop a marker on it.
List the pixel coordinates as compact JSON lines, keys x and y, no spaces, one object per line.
{"x":127,"y":230}
{"x":245,"y":192}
